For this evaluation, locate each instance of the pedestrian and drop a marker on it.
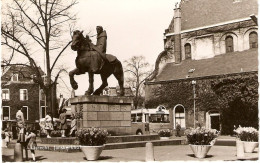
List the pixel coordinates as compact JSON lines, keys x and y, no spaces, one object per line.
{"x":7,"y":137}
{"x":63,"y":124}
{"x":48,"y":124}
{"x":31,"y":142}
{"x":73,"y":126}
{"x":20,"y":122}
{"x":178,"y":130}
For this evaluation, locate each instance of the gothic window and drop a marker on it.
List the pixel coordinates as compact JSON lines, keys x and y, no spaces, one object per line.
{"x":229,"y":44}
{"x":187,"y":48}
{"x":253,"y":40}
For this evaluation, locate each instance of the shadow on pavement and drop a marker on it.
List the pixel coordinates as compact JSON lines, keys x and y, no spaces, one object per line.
{"x":7,"y":158}
{"x":101,"y":158}
{"x":104,"y":157}
{"x":192,"y":155}
{"x":39,"y":158}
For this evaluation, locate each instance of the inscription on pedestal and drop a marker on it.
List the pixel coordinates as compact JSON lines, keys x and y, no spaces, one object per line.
{"x":113,"y":113}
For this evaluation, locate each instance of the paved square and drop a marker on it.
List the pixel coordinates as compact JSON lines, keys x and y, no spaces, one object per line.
{"x":161,"y":153}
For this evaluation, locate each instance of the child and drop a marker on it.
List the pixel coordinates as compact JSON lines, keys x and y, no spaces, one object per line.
{"x":48,"y":124}
{"x":31,"y":142}
{"x":7,"y":137}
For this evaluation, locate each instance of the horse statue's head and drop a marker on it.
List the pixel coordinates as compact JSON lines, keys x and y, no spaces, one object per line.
{"x":77,"y":40}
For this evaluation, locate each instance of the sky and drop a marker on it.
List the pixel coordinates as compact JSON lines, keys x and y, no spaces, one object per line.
{"x":134,"y":27}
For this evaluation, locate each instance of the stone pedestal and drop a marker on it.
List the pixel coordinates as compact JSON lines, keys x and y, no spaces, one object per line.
{"x":109,"y":112}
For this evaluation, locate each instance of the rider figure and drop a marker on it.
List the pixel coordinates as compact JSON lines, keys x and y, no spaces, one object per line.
{"x":101,"y":39}
{"x":101,"y":45}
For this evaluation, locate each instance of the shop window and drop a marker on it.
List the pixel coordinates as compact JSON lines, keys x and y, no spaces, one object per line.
{"x":43,"y":111}
{"x":229,"y":44}
{"x":6,"y":113}
{"x":5,"y":94}
{"x":25,"y":112}
{"x":253,"y":40}
{"x":23,"y":94}
{"x":187,"y":48}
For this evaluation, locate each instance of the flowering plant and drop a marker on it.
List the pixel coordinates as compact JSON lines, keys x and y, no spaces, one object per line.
{"x":92,"y":136}
{"x":56,"y":133}
{"x":165,"y":133}
{"x":201,"y":136}
{"x":247,"y":134}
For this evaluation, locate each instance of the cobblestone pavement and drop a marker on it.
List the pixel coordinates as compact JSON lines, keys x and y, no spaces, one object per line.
{"x":161,"y":153}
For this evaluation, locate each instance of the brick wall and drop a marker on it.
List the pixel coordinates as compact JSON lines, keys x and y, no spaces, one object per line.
{"x":14,"y":102}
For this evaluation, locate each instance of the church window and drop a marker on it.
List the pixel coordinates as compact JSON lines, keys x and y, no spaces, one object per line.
{"x":187,"y":48}
{"x":229,"y":44}
{"x":253,"y":40}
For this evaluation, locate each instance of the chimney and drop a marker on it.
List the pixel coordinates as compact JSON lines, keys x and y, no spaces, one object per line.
{"x":177,"y":34}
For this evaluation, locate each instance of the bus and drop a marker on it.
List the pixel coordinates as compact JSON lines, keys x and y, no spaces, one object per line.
{"x":149,"y":121}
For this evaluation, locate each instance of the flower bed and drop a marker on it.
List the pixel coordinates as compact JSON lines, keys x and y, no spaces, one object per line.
{"x":92,"y":136}
{"x":165,"y":133}
{"x":201,"y":136}
{"x":249,"y":134}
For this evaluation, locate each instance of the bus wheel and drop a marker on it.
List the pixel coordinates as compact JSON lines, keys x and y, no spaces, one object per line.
{"x":139,"y":132}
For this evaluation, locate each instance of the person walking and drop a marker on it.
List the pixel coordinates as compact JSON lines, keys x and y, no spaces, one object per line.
{"x":20,"y":123}
{"x":63,"y":124}
{"x":178,"y":130}
{"x":31,"y":142}
{"x":48,"y":124}
{"x":73,"y":126}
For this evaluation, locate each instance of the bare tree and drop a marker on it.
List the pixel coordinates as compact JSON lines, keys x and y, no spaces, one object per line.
{"x":137,"y":70}
{"x":33,"y":29}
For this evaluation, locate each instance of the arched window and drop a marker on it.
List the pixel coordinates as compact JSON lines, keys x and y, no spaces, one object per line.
{"x":187,"y":48}
{"x":229,"y":44}
{"x":179,"y":116}
{"x":253,"y":40}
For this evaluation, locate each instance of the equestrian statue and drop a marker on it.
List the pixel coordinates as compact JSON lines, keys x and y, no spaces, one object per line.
{"x":92,"y":59}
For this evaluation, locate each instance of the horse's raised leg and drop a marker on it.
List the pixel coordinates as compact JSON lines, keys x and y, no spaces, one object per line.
{"x":119,"y":75}
{"x":91,"y":81}
{"x":73,"y":83}
{"x":103,"y":85}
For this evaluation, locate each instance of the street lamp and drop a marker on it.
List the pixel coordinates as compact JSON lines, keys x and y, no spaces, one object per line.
{"x":193,"y":82}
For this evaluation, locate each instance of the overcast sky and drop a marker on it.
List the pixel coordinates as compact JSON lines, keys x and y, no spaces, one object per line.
{"x":134,"y":27}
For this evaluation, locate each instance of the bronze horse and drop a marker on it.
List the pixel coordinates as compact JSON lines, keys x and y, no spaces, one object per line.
{"x":91,"y":61}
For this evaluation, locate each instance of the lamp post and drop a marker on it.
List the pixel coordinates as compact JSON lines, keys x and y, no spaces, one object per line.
{"x":193,"y":82}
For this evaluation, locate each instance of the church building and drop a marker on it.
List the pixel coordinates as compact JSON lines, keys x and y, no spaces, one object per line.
{"x":208,"y":71}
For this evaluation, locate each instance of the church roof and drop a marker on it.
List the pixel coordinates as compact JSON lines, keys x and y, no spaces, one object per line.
{"x":199,"y":13}
{"x":228,"y":63}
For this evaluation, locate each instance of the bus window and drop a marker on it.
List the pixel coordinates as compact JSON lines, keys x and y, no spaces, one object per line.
{"x":159,"y":118}
{"x":133,"y":117}
{"x":139,"y":117}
